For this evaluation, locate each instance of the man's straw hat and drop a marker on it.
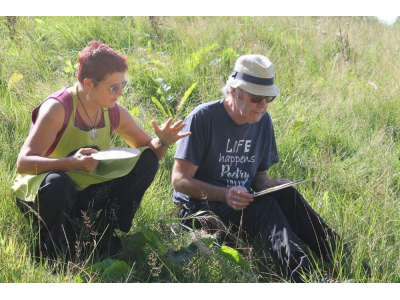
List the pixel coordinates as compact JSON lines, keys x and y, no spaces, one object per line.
{"x":254,"y":73}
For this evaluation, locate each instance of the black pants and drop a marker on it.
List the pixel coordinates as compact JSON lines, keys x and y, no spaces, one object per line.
{"x":285,"y":221}
{"x":59,"y":201}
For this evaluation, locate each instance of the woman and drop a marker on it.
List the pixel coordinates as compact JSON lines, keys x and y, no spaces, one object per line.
{"x":59,"y":179}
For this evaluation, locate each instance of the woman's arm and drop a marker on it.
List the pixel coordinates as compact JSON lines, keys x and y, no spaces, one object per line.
{"x":31,"y":159}
{"x":136,"y":137}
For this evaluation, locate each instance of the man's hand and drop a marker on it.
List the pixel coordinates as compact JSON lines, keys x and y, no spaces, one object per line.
{"x":238,"y":198}
{"x":275,"y":182}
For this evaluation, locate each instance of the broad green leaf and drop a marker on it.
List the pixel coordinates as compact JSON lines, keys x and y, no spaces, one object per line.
{"x":159,"y":91}
{"x":186,"y":96}
{"x":134,"y":111}
{"x":117,"y":268}
{"x":208,"y":241}
{"x":79,"y":279}
{"x":196,"y":57}
{"x":153,"y":241}
{"x":233,"y":255}
{"x":156,"y":62}
{"x":39,"y":21}
{"x":100,"y":266}
{"x":160,"y":107}
{"x":149,"y":46}
{"x":139,"y":238}
{"x":230,"y":253}
{"x":15,"y":78}
{"x":97,"y":267}
{"x":107,"y":267}
{"x":69,"y":68}
{"x":183,"y":255}
{"x":170,"y":115}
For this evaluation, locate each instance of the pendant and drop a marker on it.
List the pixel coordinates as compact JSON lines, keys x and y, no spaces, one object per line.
{"x":93,"y":133}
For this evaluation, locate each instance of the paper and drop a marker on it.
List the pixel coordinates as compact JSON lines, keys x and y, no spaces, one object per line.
{"x":116,"y":153}
{"x":280,"y":187}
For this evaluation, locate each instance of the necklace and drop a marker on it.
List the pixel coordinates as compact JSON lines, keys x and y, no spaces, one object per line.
{"x":93,"y":132}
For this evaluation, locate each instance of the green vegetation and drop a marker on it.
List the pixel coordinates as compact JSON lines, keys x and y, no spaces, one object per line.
{"x":337,"y":119}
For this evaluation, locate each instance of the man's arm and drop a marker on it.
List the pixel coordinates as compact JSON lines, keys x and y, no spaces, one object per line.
{"x":262,"y":181}
{"x":184,"y":182}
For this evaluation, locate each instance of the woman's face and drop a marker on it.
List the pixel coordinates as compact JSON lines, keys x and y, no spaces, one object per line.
{"x":107,"y":91}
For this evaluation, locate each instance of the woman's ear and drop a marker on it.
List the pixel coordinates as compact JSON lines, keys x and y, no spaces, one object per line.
{"x":87,"y":82}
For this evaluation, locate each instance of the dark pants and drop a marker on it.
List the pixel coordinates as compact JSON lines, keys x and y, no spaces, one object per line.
{"x":58,"y":202}
{"x":285,"y":221}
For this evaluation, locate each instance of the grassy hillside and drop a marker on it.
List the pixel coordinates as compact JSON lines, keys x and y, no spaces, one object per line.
{"x":336,"y":119}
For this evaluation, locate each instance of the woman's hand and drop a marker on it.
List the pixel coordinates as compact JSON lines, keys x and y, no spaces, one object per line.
{"x":83,"y":161}
{"x":170,"y":134}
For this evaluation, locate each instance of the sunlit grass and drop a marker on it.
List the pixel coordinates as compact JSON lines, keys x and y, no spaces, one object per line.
{"x":336,"y":119}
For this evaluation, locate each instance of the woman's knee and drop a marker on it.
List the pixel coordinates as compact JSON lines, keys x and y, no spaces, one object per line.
{"x":57,"y":180}
{"x":147,"y":165}
{"x":57,"y":189}
{"x":151,"y":160}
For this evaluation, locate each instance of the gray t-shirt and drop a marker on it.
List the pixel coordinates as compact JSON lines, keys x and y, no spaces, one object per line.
{"x":226,"y":154}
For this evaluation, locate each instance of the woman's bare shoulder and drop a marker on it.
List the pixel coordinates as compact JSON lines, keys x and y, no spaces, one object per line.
{"x":52,"y":109}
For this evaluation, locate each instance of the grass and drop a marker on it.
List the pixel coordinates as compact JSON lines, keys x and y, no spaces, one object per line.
{"x":336,"y":119}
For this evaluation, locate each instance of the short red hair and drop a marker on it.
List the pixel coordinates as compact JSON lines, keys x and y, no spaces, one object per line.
{"x":98,"y":60}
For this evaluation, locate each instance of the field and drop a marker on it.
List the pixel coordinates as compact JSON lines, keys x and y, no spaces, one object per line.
{"x":337,"y":119}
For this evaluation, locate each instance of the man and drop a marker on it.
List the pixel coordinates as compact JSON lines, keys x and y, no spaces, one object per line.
{"x":227,"y":158}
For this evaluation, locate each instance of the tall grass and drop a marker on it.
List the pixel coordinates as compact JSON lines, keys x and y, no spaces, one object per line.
{"x":336,"y":119}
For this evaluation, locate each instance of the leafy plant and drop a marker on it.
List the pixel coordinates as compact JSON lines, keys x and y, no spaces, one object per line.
{"x":108,"y":269}
{"x":186,"y":253}
{"x":15,"y":78}
{"x":233,"y":255}
{"x":166,"y":103}
{"x":69,"y":68}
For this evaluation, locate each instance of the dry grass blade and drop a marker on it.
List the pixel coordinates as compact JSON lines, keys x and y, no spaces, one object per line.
{"x":280,"y":187}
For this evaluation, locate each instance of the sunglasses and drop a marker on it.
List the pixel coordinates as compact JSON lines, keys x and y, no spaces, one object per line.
{"x":255,"y":98}
{"x":115,"y":88}
{"x":258,"y":99}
